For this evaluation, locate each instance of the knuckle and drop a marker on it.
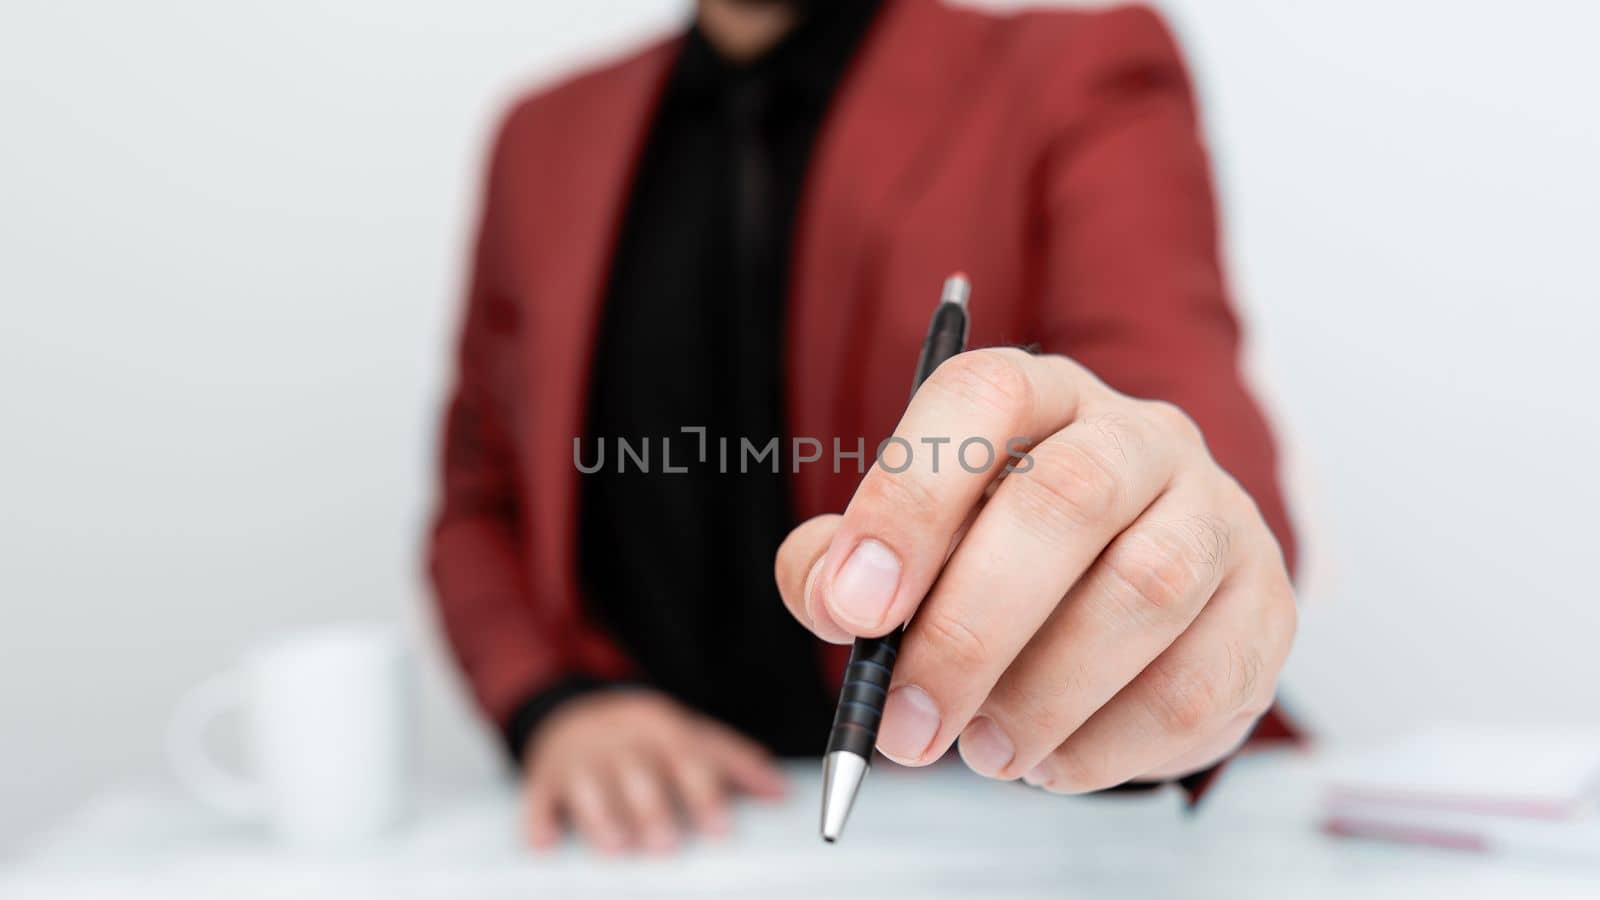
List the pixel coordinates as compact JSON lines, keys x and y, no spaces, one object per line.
{"x":1210,"y":541}
{"x":1246,"y":684}
{"x":1174,"y":420}
{"x":1084,"y":381}
{"x":901,"y":497}
{"x":1164,"y":569}
{"x":954,"y":644}
{"x":1152,"y":574}
{"x":1184,"y":699}
{"x":991,"y":377}
{"x":1119,"y":433}
{"x":1065,"y":489}
{"x":1258,"y":705}
{"x":673,"y":734}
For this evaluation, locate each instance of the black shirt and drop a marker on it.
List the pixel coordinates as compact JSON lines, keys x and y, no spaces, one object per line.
{"x":677,"y":565}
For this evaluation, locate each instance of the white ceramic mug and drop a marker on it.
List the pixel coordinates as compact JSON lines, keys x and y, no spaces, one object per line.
{"x":326,"y":735}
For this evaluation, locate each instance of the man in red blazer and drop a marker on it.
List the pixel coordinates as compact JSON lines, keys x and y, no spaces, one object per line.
{"x":740,"y":233}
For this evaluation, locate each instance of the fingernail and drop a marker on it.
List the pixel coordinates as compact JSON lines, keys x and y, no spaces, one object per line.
{"x":985,"y":747}
{"x":1037,"y":776}
{"x":910,"y":720}
{"x":865,"y":585}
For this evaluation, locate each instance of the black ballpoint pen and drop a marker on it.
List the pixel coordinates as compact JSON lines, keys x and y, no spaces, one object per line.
{"x":866,"y":678}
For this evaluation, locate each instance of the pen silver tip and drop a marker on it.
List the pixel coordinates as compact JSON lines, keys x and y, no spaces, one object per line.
{"x":842,"y":772}
{"x":957,"y":288}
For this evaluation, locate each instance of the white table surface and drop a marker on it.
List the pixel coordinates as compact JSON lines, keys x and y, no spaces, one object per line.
{"x":939,"y":832}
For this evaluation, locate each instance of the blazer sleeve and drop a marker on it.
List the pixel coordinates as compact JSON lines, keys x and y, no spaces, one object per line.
{"x":1133,"y":287}
{"x":1132,"y":284}
{"x":520,"y":659}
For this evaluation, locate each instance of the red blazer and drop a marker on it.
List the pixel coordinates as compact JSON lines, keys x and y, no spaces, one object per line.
{"x":1053,"y":155}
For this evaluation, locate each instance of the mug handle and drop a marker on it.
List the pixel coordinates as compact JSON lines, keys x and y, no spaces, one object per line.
{"x":227,"y":792}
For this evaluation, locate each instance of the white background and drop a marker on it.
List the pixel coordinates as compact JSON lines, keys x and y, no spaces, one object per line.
{"x":231,"y":238}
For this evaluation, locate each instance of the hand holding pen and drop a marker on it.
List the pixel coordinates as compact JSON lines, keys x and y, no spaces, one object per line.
{"x":1114,"y":609}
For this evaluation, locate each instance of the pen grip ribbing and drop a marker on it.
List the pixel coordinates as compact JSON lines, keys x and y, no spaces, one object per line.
{"x":866,"y":678}
{"x":861,"y":698}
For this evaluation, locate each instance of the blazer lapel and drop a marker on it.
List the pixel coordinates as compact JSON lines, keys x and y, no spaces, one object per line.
{"x":582,"y":208}
{"x":870,"y":163}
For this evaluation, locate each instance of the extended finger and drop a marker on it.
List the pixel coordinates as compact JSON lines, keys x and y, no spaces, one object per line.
{"x":701,"y":792}
{"x":745,"y":764}
{"x":541,"y":822}
{"x":898,"y":526}
{"x":588,"y":791}
{"x":1042,"y":529}
{"x":642,"y":792}
{"x":539,"y":811}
